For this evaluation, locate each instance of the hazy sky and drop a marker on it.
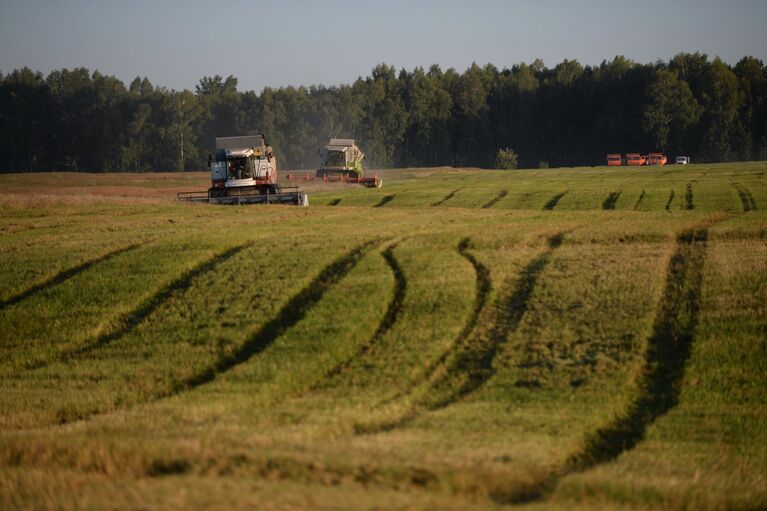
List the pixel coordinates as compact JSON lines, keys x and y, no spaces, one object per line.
{"x":272,"y":43}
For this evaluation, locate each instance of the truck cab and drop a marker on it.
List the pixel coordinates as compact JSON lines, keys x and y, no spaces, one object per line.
{"x":682,"y":160}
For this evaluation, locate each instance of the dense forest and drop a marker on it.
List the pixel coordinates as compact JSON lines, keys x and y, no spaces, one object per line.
{"x":567,"y":115}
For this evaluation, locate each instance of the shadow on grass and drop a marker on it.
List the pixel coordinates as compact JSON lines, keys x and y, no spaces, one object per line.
{"x":472,"y":355}
{"x":482,"y":290}
{"x":609,"y":202}
{"x":446,"y":197}
{"x":491,"y":203}
{"x":660,"y":381}
{"x":746,"y":199}
{"x":180,"y":284}
{"x":639,"y":201}
{"x":390,"y":317}
{"x":65,"y":275}
{"x":290,"y":314}
{"x":473,"y":365}
{"x":688,"y":203}
{"x":384,"y":201}
{"x":552,"y":202}
{"x":667,"y":207}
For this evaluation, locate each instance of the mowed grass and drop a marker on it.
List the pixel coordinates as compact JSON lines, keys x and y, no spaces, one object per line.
{"x":459,"y":339}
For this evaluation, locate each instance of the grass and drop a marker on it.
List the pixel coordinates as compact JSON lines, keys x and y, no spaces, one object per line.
{"x":460,"y":339}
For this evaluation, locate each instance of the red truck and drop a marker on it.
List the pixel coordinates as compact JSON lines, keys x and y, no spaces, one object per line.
{"x":635,"y":159}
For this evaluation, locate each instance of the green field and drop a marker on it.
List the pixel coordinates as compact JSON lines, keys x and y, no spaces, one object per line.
{"x":458,"y":339}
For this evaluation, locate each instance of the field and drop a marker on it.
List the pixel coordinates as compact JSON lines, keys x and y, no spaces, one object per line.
{"x":458,"y":339}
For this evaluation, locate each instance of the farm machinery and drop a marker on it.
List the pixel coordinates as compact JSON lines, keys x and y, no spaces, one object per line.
{"x":656,"y":159}
{"x":341,"y":161}
{"x":636,"y":159}
{"x":244,"y":171}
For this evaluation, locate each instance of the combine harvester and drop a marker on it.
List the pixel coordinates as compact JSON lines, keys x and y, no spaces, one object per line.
{"x":341,"y":161}
{"x":244,"y":171}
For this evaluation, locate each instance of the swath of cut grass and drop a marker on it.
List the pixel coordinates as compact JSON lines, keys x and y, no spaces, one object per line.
{"x":668,"y":349}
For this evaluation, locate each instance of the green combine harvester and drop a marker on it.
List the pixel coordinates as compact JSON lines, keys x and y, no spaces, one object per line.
{"x":342,"y":161}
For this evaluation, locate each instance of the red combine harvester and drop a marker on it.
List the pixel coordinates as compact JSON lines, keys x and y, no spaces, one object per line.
{"x":656,"y":159}
{"x":614,"y":160}
{"x":244,"y":171}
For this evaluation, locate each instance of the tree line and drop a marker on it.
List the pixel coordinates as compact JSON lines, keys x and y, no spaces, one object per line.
{"x":567,"y":115}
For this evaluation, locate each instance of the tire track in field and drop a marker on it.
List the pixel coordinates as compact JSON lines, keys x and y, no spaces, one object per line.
{"x":446,"y":197}
{"x":472,"y":362}
{"x":132,"y":319}
{"x":688,"y":199}
{"x":609,"y":202}
{"x":482,"y":290}
{"x":746,"y":199}
{"x":385,"y":200}
{"x":552,"y":202}
{"x":669,"y":201}
{"x":494,"y":200}
{"x":639,"y":201}
{"x":290,"y":314}
{"x":660,"y":380}
{"x":65,"y":275}
{"x":474,"y":365}
{"x":393,"y":311}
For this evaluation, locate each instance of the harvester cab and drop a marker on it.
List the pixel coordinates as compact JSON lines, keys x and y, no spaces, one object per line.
{"x":243,"y":162}
{"x":244,"y":171}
